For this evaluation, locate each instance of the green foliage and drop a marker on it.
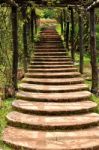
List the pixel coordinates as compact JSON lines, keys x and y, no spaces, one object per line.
{"x":3,"y":122}
{"x":5,"y":45}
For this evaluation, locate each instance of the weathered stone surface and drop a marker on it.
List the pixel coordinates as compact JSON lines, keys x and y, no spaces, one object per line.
{"x":52,"y":122}
{"x":52,"y":88}
{"x":52,"y":59}
{"x":52,"y":74}
{"x":87,"y":139}
{"x":50,"y":53}
{"x":52,"y":69}
{"x":46,"y":108}
{"x":54,"y":81}
{"x":51,"y":66}
{"x":51,"y":62}
{"x":58,"y":97}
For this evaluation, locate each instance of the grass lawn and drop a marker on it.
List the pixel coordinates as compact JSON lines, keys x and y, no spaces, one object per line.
{"x":6,"y":107}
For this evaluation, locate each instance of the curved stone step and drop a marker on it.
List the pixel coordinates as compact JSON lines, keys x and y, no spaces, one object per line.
{"x":52,"y":69}
{"x":50,"y":53}
{"x":52,"y":75}
{"x":86,"y":139}
{"x":54,"y":97}
{"x":45,"y":108}
{"x":52,"y":88}
{"x":52,"y":122}
{"x":51,"y":81}
{"x":51,"y":50}
{"x":52,"y":59}
{"x":51,"y":62}
{"x":49,"y":46}
{"x":51,"y":66}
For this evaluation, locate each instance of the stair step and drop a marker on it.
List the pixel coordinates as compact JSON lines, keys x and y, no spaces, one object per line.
{"x":52,"y":69}
{"x":52,"y":88}
{"x":52,"y":66}
{"x":52,"y":50}
{"x":49,"y":47}
{"x":86,"y":139}
{"x":54,"y":97}
{"x":51,"y":59}
{"x":51,"y":81}
{"x":53,"y":108}
{"x":51,"y":62}
{"x":52,"y":75}
{"x":50,"y":53}
{"x":50,"y":41}
{"x":52,"y":122}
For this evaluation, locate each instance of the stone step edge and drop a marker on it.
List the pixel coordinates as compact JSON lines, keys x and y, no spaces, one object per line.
{"x":33,"y":107}
{"x":39,"y":122}
{"x":86,"y":139}
{"x":49,"y":82}
{"x":50,"y":89}
{"x":54,"y":97}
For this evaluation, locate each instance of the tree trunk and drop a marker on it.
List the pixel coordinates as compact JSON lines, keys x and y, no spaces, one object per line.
{"x":72,"y":35}
{"x":61,"y":21}
{"x":25,"y":39}
{"x":94,"y":88}
{"x":35,"y":22}
{"x":64,"y":21}
{"x":32,"y":26}
{"x":67,"y":36}
{"x":15,"y":47}
{"x":81,"y":43}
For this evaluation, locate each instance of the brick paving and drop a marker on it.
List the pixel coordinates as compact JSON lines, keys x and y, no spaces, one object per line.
{"x":52,"y":109}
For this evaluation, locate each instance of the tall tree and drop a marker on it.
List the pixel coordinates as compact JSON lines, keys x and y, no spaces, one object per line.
{"x":15,"y":46}
{"x":81,"y":42}
{"x":94,"y":88}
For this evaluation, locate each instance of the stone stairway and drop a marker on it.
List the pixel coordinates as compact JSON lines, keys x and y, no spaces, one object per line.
{"x":52,"y":110}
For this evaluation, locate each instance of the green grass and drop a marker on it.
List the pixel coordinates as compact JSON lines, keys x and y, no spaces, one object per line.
{"x":6,"y":107}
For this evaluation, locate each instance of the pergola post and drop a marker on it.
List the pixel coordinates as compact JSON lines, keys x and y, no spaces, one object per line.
{"x":94,"y":88}
{"x":32,"y":26}
{"x":67,"y":35}
{"x":61,"y":22}
{"x":25,"y":39}
{"x":72,"y":34}
{"x":15,"y":47}
{"x":81,"y":43}
{"x":35,"y":22}
{"x":64,"y":20}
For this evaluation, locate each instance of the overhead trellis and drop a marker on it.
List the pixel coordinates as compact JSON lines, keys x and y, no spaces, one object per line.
{"x":44,"y":3}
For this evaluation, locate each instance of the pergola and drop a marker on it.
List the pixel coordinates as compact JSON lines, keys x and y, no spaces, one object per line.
{"x":86,"y":4}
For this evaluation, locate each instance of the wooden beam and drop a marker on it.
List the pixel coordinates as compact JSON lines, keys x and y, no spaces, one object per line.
{"x":32,"y":26}
{"x":93,"y":5}
{"x":35,"y":21}
{"x":81,"y":43}
{"x":72,"y":35}
{"x":94,"y":88}
{"x":15,"y":47}
{"x":67,"y":35}
{"x":25,"y":38}
{"x":64,"y":21}
{"x":61,"y":22}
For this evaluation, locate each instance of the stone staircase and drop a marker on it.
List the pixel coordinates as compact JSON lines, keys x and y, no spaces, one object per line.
{"x":52,"y":110}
